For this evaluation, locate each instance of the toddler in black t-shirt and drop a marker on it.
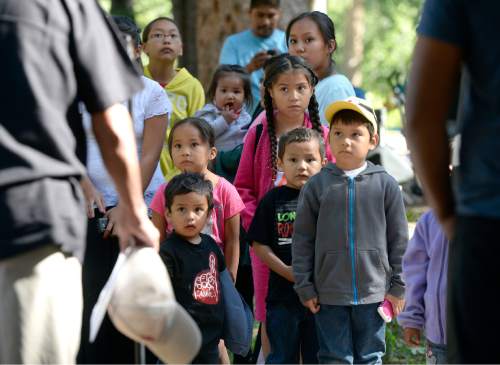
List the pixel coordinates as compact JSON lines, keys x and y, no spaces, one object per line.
{"x":290,"y":326}
{"x":194,"y":260}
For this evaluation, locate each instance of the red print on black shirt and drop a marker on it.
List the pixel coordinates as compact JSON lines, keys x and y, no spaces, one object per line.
{"x":206,"y":283}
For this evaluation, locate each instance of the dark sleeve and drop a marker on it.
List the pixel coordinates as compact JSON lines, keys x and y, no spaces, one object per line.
{"x":444,"y":20}
{"x":168,"y":259}
{"x":104,"y":72}
{"x":262,"y":227}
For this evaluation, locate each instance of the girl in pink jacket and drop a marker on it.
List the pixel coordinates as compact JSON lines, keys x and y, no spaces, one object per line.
{"x":289,"y":103}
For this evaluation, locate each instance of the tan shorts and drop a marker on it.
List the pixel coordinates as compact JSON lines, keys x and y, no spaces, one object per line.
{"x":40,"y":307}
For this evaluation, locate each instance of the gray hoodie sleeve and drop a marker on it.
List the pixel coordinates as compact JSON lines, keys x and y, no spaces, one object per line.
{"x":303,"y":242}
{"x":397,"y":235}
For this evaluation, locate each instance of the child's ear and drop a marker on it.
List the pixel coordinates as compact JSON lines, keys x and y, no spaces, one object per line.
{"x":324,"y":161}
{"x":374,"y":141}
{"x":182,"y":49}
{"x":332,"y":46}
{"x":167,"y":214}
{"x":212,"y":153}
{"x":279,"y":164}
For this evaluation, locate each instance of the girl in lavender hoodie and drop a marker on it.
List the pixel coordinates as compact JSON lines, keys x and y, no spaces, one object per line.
{"x":425,"y":264}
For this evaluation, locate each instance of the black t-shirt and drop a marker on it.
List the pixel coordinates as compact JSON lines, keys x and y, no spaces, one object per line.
{"x":59,"y":53}
{"x":272,"y":226}
{"x":194,"y":270}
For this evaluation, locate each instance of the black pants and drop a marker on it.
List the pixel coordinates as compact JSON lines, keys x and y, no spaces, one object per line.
{"x":110,"y":346}
{"x":473,"y":283}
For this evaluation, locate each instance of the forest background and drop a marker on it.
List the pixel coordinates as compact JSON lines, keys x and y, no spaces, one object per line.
{"x":375,"y":37}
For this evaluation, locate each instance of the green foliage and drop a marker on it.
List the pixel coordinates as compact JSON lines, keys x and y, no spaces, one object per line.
{"x":388,"y":40}
{"x":145,"y":10}
{"x":397,"y":352}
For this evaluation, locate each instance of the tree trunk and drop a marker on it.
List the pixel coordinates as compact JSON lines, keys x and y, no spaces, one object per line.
{"x":354,"y":47}
{"x":204,"y":26}
{"x":123,"y":7}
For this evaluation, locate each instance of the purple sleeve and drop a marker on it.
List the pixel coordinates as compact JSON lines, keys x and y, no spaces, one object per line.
{"x":415,"y":263}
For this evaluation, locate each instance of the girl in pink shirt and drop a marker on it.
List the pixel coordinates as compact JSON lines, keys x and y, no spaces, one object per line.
{"x":289,"y":92}
{"x":191,"y":145}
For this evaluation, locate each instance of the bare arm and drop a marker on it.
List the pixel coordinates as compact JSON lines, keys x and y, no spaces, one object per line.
{"x":152,"y":144}
{"x":272,"y":261}
{"x":160,"y":224}
{"x":92,"y":197}
{"x":432,"y":81}
{"x":232,"y":244}
{"x":113,"y":130}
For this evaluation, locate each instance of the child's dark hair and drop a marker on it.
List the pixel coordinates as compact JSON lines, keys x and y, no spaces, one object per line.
{"x":299,"y":135}
{"x":256,"y":3}
{"x":225,"y":70}
{"x":147,"y":28}
{"x":325,"y":26}
{"x":127,"y":26}
{"x":186,"y":183}
{"x":349,"y":117}
{"x":273,"y":68}
{"x":205,"y":129}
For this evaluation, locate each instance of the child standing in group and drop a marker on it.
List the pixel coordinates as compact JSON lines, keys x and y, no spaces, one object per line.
{"x":425,"y":264}
{"x":191,"y":145}
{"x":229,"y":94}
{"x":349,"y":238}
{"x":311,"y":36}
{"x":290,"y":326}
{"x":289,"y":93}
{"x":163,"y":44}
{"x":193,"y":259}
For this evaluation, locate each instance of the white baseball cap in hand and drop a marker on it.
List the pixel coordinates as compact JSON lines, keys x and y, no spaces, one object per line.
{"x":143,"y":308}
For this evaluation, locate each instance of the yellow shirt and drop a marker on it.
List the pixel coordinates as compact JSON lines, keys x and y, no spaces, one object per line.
{"x":187,"y":97}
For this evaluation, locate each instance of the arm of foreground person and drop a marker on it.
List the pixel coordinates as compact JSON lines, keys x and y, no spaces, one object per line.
{"x":431,"y":86}
{"x":113,"y":130}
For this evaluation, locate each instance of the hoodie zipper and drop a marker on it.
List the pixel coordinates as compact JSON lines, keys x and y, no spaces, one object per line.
{"x":351,"y":237}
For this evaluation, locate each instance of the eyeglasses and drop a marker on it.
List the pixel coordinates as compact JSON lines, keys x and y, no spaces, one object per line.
{"x":158,"y":37}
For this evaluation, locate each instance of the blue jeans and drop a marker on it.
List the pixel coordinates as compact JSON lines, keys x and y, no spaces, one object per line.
{"x":291,"y":330}
{"x":350,"y":334}
{"x":435,"y":354}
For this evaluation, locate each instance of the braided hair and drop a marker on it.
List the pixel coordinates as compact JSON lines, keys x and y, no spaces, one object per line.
{"x":273,"y":68}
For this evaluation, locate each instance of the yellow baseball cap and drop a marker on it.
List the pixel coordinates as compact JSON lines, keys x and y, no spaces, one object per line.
{"x":358,"y":105}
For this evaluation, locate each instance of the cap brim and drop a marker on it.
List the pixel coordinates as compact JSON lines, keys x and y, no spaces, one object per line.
{"x":181,"y":339}
{"x":334,"y":108}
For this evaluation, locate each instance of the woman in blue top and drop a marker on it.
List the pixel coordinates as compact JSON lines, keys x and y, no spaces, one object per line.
{"x":311,"y":36}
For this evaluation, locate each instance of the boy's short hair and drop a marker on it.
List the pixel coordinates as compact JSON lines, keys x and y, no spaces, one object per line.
{"x":352,"y":110}
{"x":257,"y":3}
{"x":185,"y":183}
{"x":299,"y":135}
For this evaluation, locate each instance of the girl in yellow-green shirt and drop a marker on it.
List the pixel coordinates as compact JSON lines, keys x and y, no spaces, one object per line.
{"x":163,"y":44}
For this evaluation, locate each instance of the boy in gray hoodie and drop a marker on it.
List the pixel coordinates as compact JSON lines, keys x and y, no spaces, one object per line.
{"x":349,"y":238}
